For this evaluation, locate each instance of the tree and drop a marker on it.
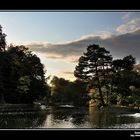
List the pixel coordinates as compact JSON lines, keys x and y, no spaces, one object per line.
{"x":2,"y":40}
{"x":128,"y":62}
{"x":67,"y":92}
{"x":26,"y":74}
{"x":22,"y":77}
{"x":124,"y":76}
{"x":3,"y":64}
{"x":80,"y":95}
{"x":95,"y":66}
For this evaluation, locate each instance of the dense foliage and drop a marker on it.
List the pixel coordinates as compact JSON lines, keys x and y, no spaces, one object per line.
{"x":66,"y":92}
{"x":114,"y":81}
{"x":21,"y":76}
{"x":94,"y":66}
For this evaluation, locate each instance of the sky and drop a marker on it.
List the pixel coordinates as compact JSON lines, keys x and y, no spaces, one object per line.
{"x":60,"y":38}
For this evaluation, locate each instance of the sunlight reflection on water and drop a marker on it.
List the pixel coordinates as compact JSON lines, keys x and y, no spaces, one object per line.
{"x":136,"y":115}
{"x":69,"y":117}
{"x":50,"y":122}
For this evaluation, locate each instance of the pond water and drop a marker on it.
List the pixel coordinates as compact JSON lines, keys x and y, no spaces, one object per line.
{"x":69,"y":117}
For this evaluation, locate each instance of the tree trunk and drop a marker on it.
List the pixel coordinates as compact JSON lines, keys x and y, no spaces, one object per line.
{"x":99,"y":87}
{"x":100,"y":93}
{"x":107,"y":98}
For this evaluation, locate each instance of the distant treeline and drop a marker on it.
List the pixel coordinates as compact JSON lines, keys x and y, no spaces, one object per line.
{"x":67,"y":92}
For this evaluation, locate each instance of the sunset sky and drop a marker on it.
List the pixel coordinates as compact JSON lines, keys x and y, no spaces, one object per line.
{"x":60,"y":38}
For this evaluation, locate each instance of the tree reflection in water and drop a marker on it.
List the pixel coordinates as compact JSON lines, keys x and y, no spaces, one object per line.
{"x":107,"y":119}
{"x":65,"y":117}
{"x":22,"y":119}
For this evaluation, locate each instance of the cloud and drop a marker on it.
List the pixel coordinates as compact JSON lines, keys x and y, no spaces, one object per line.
{"x":130,"y":26}
{"x":103,"y":35}
{"x":127,"y":15}
{"x":68,"y":75}
{"x":67,"y":72}
{"x":119,"y":46}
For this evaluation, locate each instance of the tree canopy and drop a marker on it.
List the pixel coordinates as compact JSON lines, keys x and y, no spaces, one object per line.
{"x":95,"y":66}
{"x":22,"y":76}
{"x":114,"y":81}
{"x":66,"y":92}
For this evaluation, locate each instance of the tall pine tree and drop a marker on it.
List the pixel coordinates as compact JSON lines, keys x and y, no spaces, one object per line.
{"x":95,"y":66}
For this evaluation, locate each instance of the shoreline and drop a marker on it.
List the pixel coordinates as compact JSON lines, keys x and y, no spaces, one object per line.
{"x":117,"y":109}
{"x":34,"y":107}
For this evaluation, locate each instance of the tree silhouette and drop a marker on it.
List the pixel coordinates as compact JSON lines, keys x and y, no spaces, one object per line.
{"x":94,"y":66}
{"x":67,"y":92}
{"x":2,"y":64}
{"x":2,"y":40}
{"x":124,"y":76}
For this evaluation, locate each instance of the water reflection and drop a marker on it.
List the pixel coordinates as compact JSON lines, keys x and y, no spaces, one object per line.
{"x":61,"y":117}
{"x":21,"y":120}
{"x":105,"y":119}
{"x":69,"y":117}
{"x":101,"y":119}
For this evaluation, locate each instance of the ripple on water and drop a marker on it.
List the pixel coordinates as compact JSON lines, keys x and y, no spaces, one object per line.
{"x":136,"y":115}
{"x":126,"y":126}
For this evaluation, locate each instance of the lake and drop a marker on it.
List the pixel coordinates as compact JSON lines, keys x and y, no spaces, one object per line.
{"x":66,"y":116}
